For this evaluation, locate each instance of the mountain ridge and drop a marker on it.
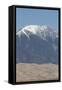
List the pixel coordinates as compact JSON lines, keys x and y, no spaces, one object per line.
{"x":37,"y":30}
{"x":36,"y":44}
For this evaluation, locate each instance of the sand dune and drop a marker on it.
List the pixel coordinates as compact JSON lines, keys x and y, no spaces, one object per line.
{"x":36,"y":72}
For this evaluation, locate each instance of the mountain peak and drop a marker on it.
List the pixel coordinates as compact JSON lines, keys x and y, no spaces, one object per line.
{"x":40,"y":30}
{"x":34,"y":28}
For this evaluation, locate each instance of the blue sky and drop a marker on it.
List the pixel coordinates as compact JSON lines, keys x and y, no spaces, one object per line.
{"x":26,"y":17}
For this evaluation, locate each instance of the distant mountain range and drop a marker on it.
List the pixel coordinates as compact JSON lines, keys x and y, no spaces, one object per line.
{"x":37,"y":44}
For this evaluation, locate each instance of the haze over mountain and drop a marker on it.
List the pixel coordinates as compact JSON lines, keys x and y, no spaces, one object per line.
{"x":37,"y":44}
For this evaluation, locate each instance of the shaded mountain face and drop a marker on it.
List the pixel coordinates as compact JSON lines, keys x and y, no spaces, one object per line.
{"x":36,"y":44}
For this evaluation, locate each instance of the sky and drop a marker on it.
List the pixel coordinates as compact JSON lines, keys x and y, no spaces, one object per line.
{"x":26,"y":16}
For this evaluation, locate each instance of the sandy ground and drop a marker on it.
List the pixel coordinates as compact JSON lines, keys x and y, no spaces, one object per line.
{"x":36,"y":72}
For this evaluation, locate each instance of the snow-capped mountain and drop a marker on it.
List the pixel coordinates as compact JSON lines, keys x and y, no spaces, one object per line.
{"x":41,"y":31}
{"x":37,"y":44}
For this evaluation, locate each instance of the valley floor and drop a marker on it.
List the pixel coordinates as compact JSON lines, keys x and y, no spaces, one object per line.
{"x":36,"y":72}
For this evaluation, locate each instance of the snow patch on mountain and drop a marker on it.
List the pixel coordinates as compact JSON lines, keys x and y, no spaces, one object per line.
{"x":40,"y":30}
